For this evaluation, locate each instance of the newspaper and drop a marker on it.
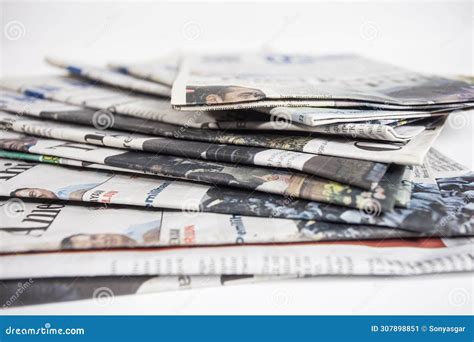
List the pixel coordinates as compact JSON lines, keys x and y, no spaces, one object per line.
{"x":102,"y":290}
{"x":363,"y":174}
{"x":62,"y":161}
{"x":438,"y":209}
{"x":402,"y":195}
{"x":398,"y":130}
{"x":385,"y":130}
{"x":442,"y":166}
{"x":404,"y":191}
{"x":408,"y":153}
{"x":404,"y":153}
{"x":110,"y":77}
{"x":378,"y":257}
{"x":75,"y":91}
{"x":275,"y":181}
{"x":255,"y":80}
{"x":161,"y":70}
{"x":54,"y":226}
{"x":358,"y":130}
{"x":388,"y":129}
{"x":311,"y":116}
{"x":97,"y":190}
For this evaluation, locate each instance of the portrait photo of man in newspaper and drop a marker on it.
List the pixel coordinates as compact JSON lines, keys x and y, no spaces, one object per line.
{"x":72,"y":192}
{"x":222,"y":94}
{"x":144,"y":234}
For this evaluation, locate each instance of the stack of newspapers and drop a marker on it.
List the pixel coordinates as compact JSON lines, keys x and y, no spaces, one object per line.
{"x":206,"y":170}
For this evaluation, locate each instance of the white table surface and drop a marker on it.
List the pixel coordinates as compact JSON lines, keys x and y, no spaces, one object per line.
{"x":101,"y":32}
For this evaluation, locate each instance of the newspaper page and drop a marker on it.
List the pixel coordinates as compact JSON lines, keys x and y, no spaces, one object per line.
{"x":75,"y":91}
{"x":405,"y":188}
{"x":443,"y":166}
{"x":405,"y":153}
{"x":362,"y":129}
{"x":408,"y":153}
{"x":54,"y":226}
{"x":259,"y":79}
{"x":376,"y":257}
{"x":60,"y":161}
{"x":438,"y":209}
{"x":111,"y":78}
{"x":401,"y":200}
{"x":314,"y":117}
{"x":386,"y":130}
{"x":363,"y":174}
{"x":162,"y":70}
{"x":102,"y":290}
{"x":275,"y":181}
{"x":242,"y":120}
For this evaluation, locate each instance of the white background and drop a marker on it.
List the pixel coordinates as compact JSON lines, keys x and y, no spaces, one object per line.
{"x":422,"y":35}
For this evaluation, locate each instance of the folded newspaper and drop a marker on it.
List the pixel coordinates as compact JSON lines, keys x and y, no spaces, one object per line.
{"x":402,"y":196}
{"x":276,"y":181}
{"x":387,"y":129}
{"x":75,"y":91}
{"x":442,"y":207}
{"x":364,"y":174}
{"x":112,"y":78}
{"x":290,"y":116}
{"x":408,"y":153}
{"x":313,"y":118}
{"x":377,"y":257}
{"x":235,"y":81}
{"x":55,"y":225}
{"x":161,"y":70}
{"x":68,"y":161}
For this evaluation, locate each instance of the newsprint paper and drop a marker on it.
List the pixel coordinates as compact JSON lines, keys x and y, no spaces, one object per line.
{"x":364,"y":174}
{"x":78,"y":92}
{"x":441,"y":206}
{"x":234,"y":81}
{"x":54,"y":226}
{"x":405,"y":152}
{"x":111,"y":77}
{"x":402,"y":195}
{"x":162,"y":70}
{"x":378,"y":257}
{"x":276,"y":181}
{"x":389,"y":129}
